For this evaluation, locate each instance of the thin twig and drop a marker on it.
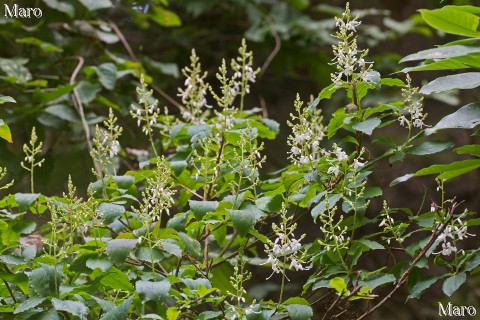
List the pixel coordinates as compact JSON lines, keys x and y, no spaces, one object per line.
{"x":78,"y":105}
{"x":276,"y":49}
{"x":405,"y":275}
{"x":132,"y":55}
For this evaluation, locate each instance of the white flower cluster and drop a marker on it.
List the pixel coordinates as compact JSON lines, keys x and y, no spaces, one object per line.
{"x":248,"y":75}
{"x":413,"y":106}
{"x":334,"y":233}
{"x":158,"y":194}
{"x":306,"y":135}
{"x":147,"y":111}
{"x":285,"y":250}
{"x":194,"y":94}
{"x":224,"y":121}
{"x":450,"y":235}
{"x":336,"y":162}
{"x":348,"y":58}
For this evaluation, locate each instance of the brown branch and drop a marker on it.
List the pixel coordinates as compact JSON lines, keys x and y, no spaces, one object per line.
{"x":132,"y":55}
{"x":79,"y":107}
{"x":276,"y":49}
{"x":420,"y":255}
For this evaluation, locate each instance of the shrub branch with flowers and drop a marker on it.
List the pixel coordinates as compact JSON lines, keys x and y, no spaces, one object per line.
{"x":183,"y":236}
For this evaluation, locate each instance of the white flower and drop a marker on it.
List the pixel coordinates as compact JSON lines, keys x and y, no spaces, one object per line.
{"x":357,"y":164}
{"x":334,"y":169}
{"x":114,"y":148}
{"x":295,"y":265}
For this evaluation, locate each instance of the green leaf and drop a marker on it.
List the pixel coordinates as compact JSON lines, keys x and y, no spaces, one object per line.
{"x":15,"y":70}
{"x":322,"y":206}
{"x":441,"y":53}
{"x":75,"y":308}
{"x":40,"y":281}
{"x":429,"y":147}
{"x":5,"y":131}
{"x":296,"y":300}
{"x":299,"y":311}
{"x":25,"y":200}
{"x":191,"y":245}
{"x":473,"y":149}
{"x":87,"y":91}
{"x":327,"y":92}
{"x":207,"y":315}
{"x":243,"y":220}
{"x":339,"y":285}
{"x":170,"y":69}
{"x":4,"y":99}
{"x":220,"y":278}
{"x":367,"y":126}
{"x":110,"y":212}
{"x":453,"y":283}
{"x":52,"y":94}
{"x":171,"y":246}
{"x":61,"y":6}
{"x":450,"y":171}
{"x":152,"y":291}
{"x":467,"y":80}
{"x":107,"y":75}
{"x":118,"y":249}
{"x":44,"y":46}
{"x":164,"y":17}
{"x":450,"y":20}
{"x":102,"y":263}
{"x":200,"y":208}
{"x":392,"y":82}
{"x":120,"y":312}
{"x":63,"y":112}
{"x":28,"y":304}
{"x":116,"y":279}
{"x":467,"y":117}
{"x":370,"y":244}
{"x":422,"y":285}
{"x":378,"y":280}
{"x":93,"y":5}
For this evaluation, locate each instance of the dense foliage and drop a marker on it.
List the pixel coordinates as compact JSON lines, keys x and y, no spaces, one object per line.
{"x":181,"y":236}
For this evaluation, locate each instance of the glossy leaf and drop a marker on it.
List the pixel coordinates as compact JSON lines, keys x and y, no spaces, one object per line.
{"x":466,"y":117}
{"x":451,"y":20}
{"x":468,"y":80}
{"x":453,"y":283}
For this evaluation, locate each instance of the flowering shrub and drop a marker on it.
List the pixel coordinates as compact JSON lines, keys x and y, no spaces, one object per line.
{"x":182,"y":236}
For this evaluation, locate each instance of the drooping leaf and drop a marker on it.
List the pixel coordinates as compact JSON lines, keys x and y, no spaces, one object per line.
{"x":450,"y":20}
{"x":200,"y":208}
{"x":429,"y":147}
{"x":63,"y":112}
{"x":5,"y":131}
{"x":421,"y":286}
{"x":110,"y":212}
{"x":453,"y":283}
{"x":367,"y":126}
{"x":441,"y":53}
{"x":120,"y":312}
{"x":152,"y":291}
{"x":466,"y":117}
{"x":119,"y":249}
{"x":107,"y":75}
{"x":473,"y":149}
{"x":378,"y":280}
{"x":242,"y":220}
{"x":191,"y":245}
{"x":467,"y":80}
{"x":75,"y":308}
{"x":28,"y":304}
